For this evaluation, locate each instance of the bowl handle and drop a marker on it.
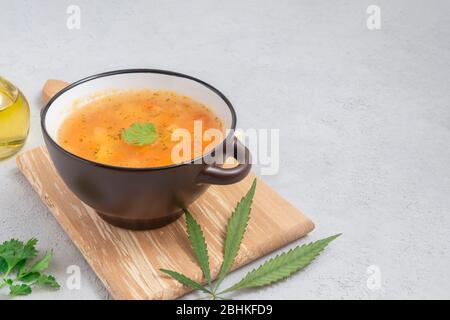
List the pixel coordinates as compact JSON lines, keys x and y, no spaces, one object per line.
{"x":213,"y":174}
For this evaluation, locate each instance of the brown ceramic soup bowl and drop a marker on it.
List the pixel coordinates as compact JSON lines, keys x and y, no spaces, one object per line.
{"x":142,"y":198}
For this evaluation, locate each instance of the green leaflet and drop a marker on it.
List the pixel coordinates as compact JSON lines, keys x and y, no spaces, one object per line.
{"x":15,"y":252}
{"x":30,"y":277}
{"x":40,"y":279}
{"x":139,"y":134}
{"x":47,"y":280}
{"x":283,"y":265}
{"x":237,"y":224}
{"x":3,"y":265}
{"x":198,"y":244}
{"x":42,"y":264}
{"x":15,"y":256}
{"x":19,"y":290}
{"x":185,"y":280}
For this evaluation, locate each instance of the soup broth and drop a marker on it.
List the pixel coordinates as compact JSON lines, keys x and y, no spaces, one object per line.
{"x":98,"y":131}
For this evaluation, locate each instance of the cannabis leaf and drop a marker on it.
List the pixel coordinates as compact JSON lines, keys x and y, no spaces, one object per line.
{"x":185,"y":280}
{"x":237,"y":224}
{"x":274,"y":270}
{"x":200,"y":248}
{"x":283,"y":265}
{"x":140,"y":134}
{"x":198,"y":244}
{"x":14,"y":272}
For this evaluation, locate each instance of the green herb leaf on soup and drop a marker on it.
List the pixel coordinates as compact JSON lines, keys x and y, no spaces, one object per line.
{"x":140,"y":134}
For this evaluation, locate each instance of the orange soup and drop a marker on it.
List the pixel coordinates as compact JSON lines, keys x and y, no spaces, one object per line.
{"x":134,"y":128}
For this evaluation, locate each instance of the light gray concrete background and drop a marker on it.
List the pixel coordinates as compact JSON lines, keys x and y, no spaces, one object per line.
{"x":364,"y":119}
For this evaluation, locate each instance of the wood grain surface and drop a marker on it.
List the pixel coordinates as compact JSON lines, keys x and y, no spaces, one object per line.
{"x":128,"y":262}
{"x":52,"y":87}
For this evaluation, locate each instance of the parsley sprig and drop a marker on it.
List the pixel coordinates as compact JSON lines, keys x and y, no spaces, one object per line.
{"x":139,"y":134}
{"x":20,"y":270}
{"x":273,"y":270}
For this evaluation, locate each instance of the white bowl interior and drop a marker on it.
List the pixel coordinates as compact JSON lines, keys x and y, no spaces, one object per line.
{"x":77,"y":96}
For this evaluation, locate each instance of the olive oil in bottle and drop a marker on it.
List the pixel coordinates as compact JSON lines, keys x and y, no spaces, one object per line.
{"x":14,"y":119}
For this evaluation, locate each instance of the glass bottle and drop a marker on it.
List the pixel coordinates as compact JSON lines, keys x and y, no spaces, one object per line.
{"x":14,"y":119}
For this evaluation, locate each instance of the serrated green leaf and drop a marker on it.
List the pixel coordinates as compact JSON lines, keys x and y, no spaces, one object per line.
{"x":48,"y":280}
{"x":14,"y":252}
{"x":15,"y":255}
{"x":140,"y":134}
{"x":198,"y":244}
{"x":30,"y":247}
{"x":21,"y":266}
{"x":29,"y":277}
{"x":236,"y":227}
{"x":185,"y":280}
{"x":19,"y":290}
{"x":283,"y":265}
{"x":41,"y":264}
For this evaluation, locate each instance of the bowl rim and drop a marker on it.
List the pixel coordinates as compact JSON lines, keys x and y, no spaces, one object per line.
{"x":124,"y":71}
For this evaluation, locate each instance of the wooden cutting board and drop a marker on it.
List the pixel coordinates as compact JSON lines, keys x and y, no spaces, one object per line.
{"x":128,"y":262}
